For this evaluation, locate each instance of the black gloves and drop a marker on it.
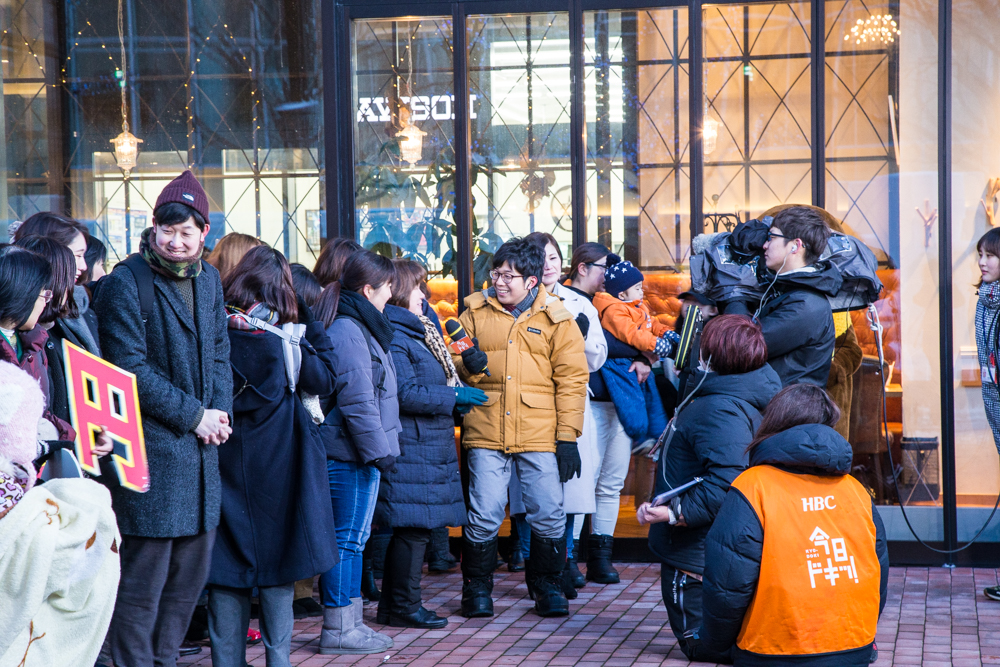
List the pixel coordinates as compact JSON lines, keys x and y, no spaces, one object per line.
{"x":583,"y":322}
{"x":568,"y":460}
{"x":305,"y":313}
{"x":385,"y":464}
{"x":474,"y":359}
{"x":469,"y":396}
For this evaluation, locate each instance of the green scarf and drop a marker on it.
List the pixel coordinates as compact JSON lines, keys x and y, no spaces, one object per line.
{"x":150,"y":252}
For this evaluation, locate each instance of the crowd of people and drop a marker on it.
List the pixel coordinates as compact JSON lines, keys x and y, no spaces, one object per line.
{"x":291,"y":414}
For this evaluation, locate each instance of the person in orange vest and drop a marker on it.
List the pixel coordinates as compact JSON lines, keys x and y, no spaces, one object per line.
{"x":796,"y":562}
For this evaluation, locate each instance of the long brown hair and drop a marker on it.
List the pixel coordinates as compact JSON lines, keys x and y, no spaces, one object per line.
{"x":793,"y":406}
{"x":409,"y":275}
{"x":262,"y":276}
{"x":332,"y":258}
{"x":230,"y":250}
{"x":63,"y":264}
{"x":366,"y":268}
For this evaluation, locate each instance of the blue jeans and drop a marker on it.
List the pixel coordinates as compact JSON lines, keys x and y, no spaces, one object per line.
{"x":524,"y":534}
{"x":353,"y":492}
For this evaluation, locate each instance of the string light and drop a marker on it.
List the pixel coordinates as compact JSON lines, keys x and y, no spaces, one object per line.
{"x":877,"y":28}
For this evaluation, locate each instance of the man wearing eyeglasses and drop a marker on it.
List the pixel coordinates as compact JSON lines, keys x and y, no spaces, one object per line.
{"x":795,"y":314}
{"x":529,"y":360}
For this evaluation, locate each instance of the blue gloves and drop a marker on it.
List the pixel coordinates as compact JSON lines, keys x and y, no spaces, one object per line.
{"x":470,"y":396}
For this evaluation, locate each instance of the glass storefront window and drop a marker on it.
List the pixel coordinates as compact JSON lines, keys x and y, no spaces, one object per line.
{"x":404,"y":152}
{"x":520,"y":147}
{"x":230,"y":90}
{"x":881,"y":176}
{"x":975,"y":165}
{"x":638,"y":170}
{"x":757,"y":118}
{"x":28,"y":141}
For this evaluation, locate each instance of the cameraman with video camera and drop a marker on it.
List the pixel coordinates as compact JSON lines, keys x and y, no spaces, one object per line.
{"x":795,"y":314}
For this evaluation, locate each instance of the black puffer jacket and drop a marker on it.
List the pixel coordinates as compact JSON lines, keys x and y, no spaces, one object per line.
{"x":798,"y":324}
{"x":734,"y":547}
{"x":713,"y":431}
{"x":425,"y":491}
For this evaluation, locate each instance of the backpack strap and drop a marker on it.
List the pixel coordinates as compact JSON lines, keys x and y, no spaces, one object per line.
{"x":143,"y":275}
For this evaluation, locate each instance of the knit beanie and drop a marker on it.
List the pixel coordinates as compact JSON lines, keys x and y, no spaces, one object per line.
{"x":619,"y":275}
{"x":21,"y":406}
{"x":185,"y":189}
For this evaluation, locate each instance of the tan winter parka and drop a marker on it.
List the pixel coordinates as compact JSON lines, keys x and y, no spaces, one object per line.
{"x":538,"y":382}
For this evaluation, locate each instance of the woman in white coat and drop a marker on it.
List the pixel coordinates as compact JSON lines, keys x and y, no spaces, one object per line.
{"x":614,"y":447}
{"x":578,"y":493}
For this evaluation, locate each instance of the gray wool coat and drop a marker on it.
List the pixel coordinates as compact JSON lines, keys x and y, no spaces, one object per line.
{"x":181,"y":365}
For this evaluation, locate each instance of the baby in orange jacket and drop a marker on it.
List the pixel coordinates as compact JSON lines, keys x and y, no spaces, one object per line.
{"x":626,"y":316}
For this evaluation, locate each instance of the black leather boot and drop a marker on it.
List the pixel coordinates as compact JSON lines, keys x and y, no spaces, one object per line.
{"x":478,"y":562}
{"x":579,"y":581}
{"x":369,"y":589}
{"x":548,"y":559}
{"x":599,"y":568}
{"x":439,"y":558}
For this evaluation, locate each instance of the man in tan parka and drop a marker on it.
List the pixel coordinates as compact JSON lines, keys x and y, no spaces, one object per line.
{"x":529,"y":360}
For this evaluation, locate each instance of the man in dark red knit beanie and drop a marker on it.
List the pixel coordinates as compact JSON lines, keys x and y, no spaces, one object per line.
{"x":185,"y":189}
{"x":178,"y":348}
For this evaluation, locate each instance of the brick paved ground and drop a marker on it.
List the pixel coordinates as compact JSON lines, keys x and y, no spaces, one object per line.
{"x":933,"y":617}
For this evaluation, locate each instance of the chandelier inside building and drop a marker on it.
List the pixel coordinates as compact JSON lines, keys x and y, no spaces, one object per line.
{"x":877,"y":28}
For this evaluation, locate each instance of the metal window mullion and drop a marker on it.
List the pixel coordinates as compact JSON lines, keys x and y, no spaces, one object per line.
{"x":463,"y":182}
{"x":328,"y":158}
{"x":696,"y":110}
{"x":578,"y":123}
{"x":344,"y":102}
{"x":818,"y":102}
{"x":945,"y":312}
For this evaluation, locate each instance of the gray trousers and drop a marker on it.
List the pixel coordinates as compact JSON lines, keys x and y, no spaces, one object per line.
{"x":161,"y":581}
{"x":489,"y":476}
{"x":229,"y":619}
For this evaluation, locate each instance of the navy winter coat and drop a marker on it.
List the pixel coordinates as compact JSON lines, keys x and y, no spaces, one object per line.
{"x":734,"y":547}
{"x":797,"y":324}
{"x":362,"y":421}
{"x":426,"y":489}
{"x":181,"y":364}
{"x":277,"y":521}
{"x":713,"y":431}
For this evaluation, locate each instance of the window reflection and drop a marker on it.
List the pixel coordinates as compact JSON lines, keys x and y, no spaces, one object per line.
{"x":519,"y":69}
{"x":404,"y":154}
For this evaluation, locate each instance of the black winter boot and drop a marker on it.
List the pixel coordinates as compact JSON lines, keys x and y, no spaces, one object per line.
{"x":515,"y":560}
{"x":599,"y":568}
{"x":548,"y":558}
{"x":579,"y":581}
{"x":439,"y":558}
{"x":478,"y":562}
{"x":369,"y":589}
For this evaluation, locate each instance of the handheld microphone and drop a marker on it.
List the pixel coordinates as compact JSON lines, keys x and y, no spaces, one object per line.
{"x":460,"y":340}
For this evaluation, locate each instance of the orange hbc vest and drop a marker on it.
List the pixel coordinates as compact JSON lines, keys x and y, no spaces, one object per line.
{"x":818,"y":590}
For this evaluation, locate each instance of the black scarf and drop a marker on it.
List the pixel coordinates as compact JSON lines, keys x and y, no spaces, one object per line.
{"x":356,"y":306}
